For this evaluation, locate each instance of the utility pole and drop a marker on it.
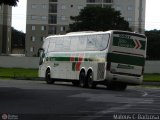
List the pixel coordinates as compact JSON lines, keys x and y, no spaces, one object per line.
{"x":140,"y":15}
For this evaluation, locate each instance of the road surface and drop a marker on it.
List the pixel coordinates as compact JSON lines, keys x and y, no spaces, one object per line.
{"x":27,"y":100}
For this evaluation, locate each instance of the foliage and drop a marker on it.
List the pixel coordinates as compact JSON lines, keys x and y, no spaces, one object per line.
{"x":18,"y":39}
{"x":98,"y":19}
{"x":153,"y":44}
{"x":9,"y":2}
{"x":151,"y":78}
{"x":18,"y":73}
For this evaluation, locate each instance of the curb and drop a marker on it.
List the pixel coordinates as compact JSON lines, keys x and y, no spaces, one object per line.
{"x":151,"y":83}
{"x":42,"y":79}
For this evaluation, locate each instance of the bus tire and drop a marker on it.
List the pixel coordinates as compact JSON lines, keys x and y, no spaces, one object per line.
{"x":90,"y":82}
{"x":110,"y":86}
{"x":121,"y":86}
{"x":82,"y":79}
{"x":75,"y":83}
{"x":48,"y":77}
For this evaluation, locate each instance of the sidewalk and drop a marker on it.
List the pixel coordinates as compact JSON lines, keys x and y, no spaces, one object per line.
{"x":152,"y":83}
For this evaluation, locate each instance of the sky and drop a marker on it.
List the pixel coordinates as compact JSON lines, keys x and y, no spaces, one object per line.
{"x":152,"y":15}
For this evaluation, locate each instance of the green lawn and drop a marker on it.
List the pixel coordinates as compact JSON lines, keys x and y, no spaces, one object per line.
{"x":18,"y":73}
{"x":151,"y":77}
{"x":33,"y":73}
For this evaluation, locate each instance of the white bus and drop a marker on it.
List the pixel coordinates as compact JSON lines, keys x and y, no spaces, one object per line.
{"x":114,"y":58}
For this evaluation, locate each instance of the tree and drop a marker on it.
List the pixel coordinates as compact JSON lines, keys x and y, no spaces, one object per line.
{"x":18,"y":39}
{"x":98,"y":19}
{"x":153,"y":43}
{"x":9,"y":2}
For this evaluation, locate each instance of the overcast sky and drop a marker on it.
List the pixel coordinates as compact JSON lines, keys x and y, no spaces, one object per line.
{"x":152,"y":15}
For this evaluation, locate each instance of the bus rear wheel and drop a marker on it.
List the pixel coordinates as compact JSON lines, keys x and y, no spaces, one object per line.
{"x":48,"y":77}
{"x":82,"y":79}
{"x":91,"y":83}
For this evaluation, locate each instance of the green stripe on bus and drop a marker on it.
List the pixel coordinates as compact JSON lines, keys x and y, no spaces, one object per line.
{"x":58,"y":59}
{"x":126,"y":59}
{"x":68,"y":59}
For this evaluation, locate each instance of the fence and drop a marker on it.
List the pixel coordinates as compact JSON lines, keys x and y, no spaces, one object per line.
{"x":32,"y":62}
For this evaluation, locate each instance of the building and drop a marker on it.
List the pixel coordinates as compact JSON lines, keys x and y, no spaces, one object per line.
{"x":45,"y":17}
{"x":5,"y":29}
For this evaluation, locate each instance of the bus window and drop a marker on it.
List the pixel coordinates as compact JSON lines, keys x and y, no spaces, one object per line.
{"x":102,"y":41}
{"x":59,"y":44}
{"x":91,"y":42}
{"x":74,"y":43}
{"x":66,"y":44}
{"x":51,"y":47}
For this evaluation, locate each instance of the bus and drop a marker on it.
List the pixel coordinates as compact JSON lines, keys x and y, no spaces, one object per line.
{"x":113,"y":58}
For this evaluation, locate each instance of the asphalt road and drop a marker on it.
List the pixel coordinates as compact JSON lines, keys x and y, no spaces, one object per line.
{"x":35,"y":100}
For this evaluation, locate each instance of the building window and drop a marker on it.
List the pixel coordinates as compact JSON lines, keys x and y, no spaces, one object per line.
{"x":33,"y":28}
{"x":80,"y":7}
{"x":44,"y":18}
{"x":52,"y":19}
{"x":53,"y":8}
{"x":63,"y":7}
{"x":108,"y":1}
{"x":33,"y":17}
{"x":63,"y":17}
{"x":31,"y":49}
{"x":43,"y":28}
{"x":9,"y":29}
{"x":52,"y":30}
{"x":118,"y":8}
{"x":9,"y":19}
{"x":8,"y":39}
{"x":129,"y":19}
{"x":91,"y":1}
{"x":62,"y":28}
{"x":33,"y":38}
{"x":130,"y":8}
{"x":33,"y":6}
{"x":52,"y":0}
{"x":44,"y":6}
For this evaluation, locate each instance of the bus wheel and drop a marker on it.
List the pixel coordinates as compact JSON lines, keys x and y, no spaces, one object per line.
{"x":91,"y":83}
{"x":82,"y":80}
{"x":121,"y":86}
{"x":75,"y":83}
{"x":110,"y":86}
{"x":48,"y":77}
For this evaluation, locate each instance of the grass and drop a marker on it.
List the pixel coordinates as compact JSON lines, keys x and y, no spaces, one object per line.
{"x":18,"y":73}
{"x":33,"y":73}
{"x":151,"y":77}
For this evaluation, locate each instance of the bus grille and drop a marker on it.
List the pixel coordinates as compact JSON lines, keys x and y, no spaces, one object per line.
{"x":100,"y":71}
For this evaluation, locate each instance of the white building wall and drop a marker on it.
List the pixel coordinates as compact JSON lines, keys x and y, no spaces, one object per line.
{"x":67,"y":9}
{"x":36,"y":9}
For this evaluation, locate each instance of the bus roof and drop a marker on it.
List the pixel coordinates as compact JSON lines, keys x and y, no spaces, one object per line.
{"x":98,"y":32}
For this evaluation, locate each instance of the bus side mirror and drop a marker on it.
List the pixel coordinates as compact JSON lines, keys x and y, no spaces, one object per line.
{"x":41,"y":55}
